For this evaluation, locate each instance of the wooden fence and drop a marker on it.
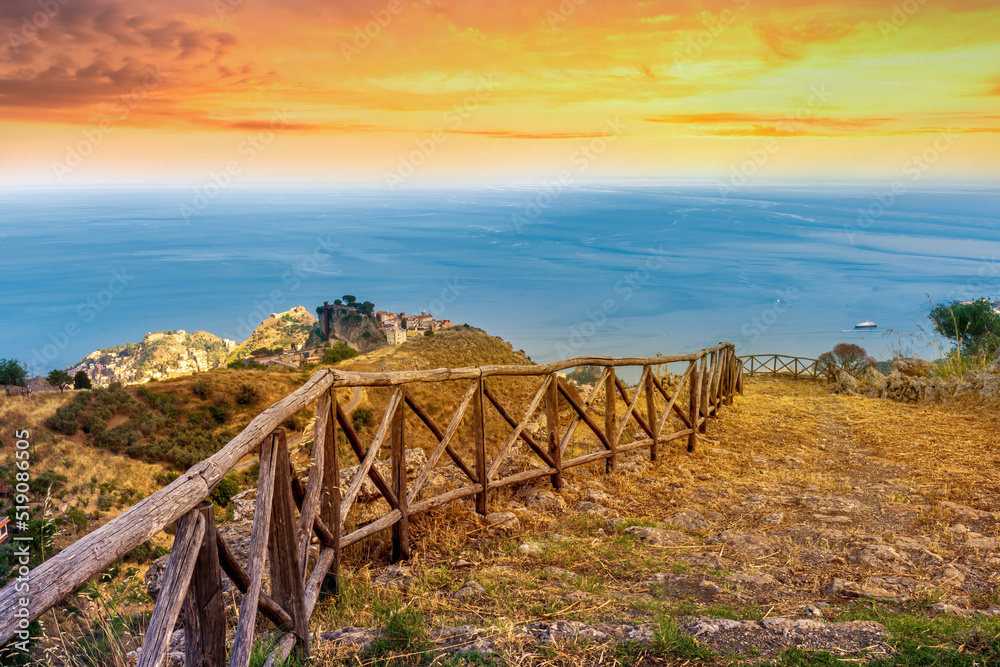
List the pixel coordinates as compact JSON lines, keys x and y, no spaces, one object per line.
{"x":780,"y":364}
{"x":289,"y":512}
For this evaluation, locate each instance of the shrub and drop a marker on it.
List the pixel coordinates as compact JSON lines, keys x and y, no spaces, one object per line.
{"x":974,"y":326}
{"x":339,"y":352}
{"x":201,"y":389}
{"x":227,"y":488}
{"x":50,"y":478}
{"x":144,"y":553}
{"x":428,"y":333}
{"x":105,"y":501}
{"x":362,"y":417}
{"x":247,"y":394}
{"x":82,"y":381}
{"x":852,"y":358}
{"x":77,"y":518}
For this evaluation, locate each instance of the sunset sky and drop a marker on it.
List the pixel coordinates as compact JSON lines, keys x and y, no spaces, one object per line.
{"x":97,"y":91}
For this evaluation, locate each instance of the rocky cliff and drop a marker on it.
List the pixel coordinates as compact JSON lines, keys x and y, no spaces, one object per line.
{"x":357,"y":330}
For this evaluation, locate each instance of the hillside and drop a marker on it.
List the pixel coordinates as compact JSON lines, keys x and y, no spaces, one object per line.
{"x":290,"y":329}
{"x":158,"y":355}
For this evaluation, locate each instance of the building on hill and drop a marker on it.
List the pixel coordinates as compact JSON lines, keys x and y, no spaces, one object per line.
{"x":394,"y":335}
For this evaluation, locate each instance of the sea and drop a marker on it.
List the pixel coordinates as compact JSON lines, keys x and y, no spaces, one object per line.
{"x":596,"y":269}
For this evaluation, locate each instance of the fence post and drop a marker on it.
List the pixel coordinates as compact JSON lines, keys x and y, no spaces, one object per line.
{"x":610,"y":419}
{"x":654,"y":422}
{"x":203,"y":612}
{"x":287,"y":586}
{"x":479,"y":427}
{"x":330,"y":502}
{"x":400,"y":529}
{"x":693,"y":392}
{"x":552,"y":429}
{"x":705,"y":379}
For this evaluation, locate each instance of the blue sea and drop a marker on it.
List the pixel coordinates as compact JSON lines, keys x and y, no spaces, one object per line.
{"x":598,"y":269}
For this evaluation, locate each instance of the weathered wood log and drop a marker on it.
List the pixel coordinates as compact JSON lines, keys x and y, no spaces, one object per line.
{"x":694,"y":390}
{"x":243,"y":638}
{"x":651,"y":413}
{"x":647,"y":442}
{"x":552,"y":429}
{"x":479,"y":445}
{"x":443,"y":442}
{"x":329,"y":512}
{"x":234,"y":570}
{"x":400,"y":529}
{"x":57,"y":577}
{"x":426,"y":419}
{"x":523,"y":477}
{"x":672,"y":400}
{"x":444,"y":498}
{"x":372,"y":528}
{"x":584,"y":459}
{"x":180,"y":566}
{"x":610,"y":416}
{"x":283,"y":555}
{"x":386,"y":379}
{"x":632,"y":402}
{"x":203,"y":612}
{"x":519,"y":428}
{"x":314,"y":484}
{"x":542,"y":454}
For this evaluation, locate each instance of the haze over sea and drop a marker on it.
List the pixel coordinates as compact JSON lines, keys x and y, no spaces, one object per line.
{"x":611,"y":270}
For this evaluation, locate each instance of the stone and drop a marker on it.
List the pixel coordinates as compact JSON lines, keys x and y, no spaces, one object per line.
{"x":750,"y":543}
{"x":950,"y":609}
{"x":880,"y":557}
{"x":560,"y":573}
{"x":530,"y":549}
{"x":989,"y":543}
{"x":594,"y":509}
{"x":542,"y":500}
{"x":503,"y":521}
{"x":692,"y":520}
{"x":394,"y":576}
{"x":469,"y":589}
{"x":656,"y":536}
{"x":416,"y":459}
{"x":752,"y":579}
{"x":773,"y":519}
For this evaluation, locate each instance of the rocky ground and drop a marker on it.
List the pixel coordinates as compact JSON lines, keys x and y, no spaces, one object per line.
{"x":806,"y":521}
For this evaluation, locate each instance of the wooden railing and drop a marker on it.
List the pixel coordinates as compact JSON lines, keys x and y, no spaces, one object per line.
{"x":290,"y":512}
{"x":799,"y":368}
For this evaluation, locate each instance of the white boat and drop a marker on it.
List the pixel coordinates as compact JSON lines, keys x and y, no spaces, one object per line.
{"x":866,"y":325}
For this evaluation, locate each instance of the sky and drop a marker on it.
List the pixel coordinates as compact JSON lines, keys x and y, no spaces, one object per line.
{"x":400,"y":92}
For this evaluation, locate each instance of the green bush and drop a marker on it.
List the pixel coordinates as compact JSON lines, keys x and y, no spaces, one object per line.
{"x":105,"y":501}
{"x":362,"y":417}
{"x":77,"y":518}
{"x":247,"y":394}
{"x":227,"y":488}
{"x":339,"y":352}
{"x":201,"y":389}
{"x":50,"y":478}
{"x":144,"y":553}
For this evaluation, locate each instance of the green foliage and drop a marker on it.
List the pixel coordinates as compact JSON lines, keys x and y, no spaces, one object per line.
{"x":405,"y":633}
{"x":974,"y":326}
{"x":247,"y":394}
{"x":82,"y":381}
{"x":59,"y":378}
{"x":349,"y":300}
{"x":201,"y":388}
{"x":13,"y":372}
{"x":40,"y":484}
{"x":77,"y":518}
{"x":852,"y":358}
{"x":145,"y":552}
{"x":362,"y":417}
{"x":584,"y":374}
{"x":339,"y":352}
{"x":428,"y":333}
{"x":105,"y":501}
{"x":227,"y":488}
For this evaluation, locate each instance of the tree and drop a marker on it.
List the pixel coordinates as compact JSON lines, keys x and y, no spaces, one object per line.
{"x":338,"y":302}
{"x":350,"y":300}
{"x":852,"y":358}
{"x":82,"y":381}
{"x":339,"y":352}
{"x":368,"y":308}
{"x":584,"y":375}
{"x":12,"y":372}
{"x":59,"y":378}
{"x":973,"y":325}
